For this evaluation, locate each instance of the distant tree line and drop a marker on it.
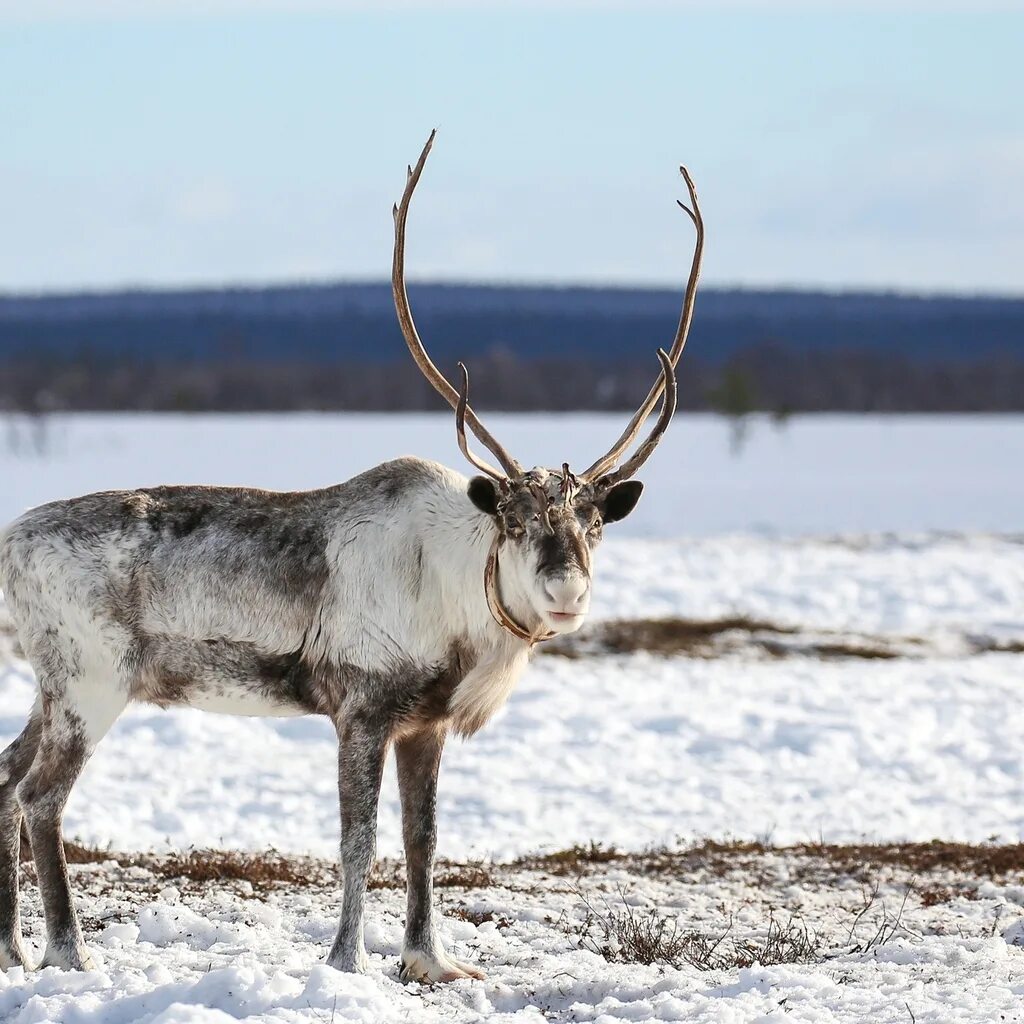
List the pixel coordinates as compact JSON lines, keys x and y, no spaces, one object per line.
{"x":768,"y":377}
{"x":329,"y":347}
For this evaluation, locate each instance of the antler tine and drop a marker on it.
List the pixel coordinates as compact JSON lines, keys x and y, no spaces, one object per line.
{"x":412,"y":338}
{"x":635,"y":425}
{"x":667,"y":378}
{"x":460,"y":427}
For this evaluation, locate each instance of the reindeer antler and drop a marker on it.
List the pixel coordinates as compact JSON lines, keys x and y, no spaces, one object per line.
{"x":440,"y":383}
{"x":628,"y":436}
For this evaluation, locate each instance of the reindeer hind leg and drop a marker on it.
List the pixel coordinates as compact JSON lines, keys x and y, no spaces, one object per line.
{"x":75,"y":718}
{"x":15,"y":762}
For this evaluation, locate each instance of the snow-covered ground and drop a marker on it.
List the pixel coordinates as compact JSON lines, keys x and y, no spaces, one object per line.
{"x":878,"y":944}
{"x":630,"y":749}
{"x":636,"y":748}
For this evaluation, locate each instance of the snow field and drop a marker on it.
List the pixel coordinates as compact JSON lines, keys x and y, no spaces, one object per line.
{"x":638,"y":749}
{"x":212,"y":953}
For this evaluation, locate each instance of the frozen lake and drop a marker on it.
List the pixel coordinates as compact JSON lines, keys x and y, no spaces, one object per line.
{"x":815,"y":474}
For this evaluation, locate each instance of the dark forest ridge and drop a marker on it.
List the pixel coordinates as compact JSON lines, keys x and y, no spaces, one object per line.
{"x":355,"y":322}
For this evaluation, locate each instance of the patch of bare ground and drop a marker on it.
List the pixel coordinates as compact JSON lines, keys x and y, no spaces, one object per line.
{"x":390,"y":874}
{"x":984,"y":860}
{"x":943,"y":869}
{"x":573,"y":860}
{"x":672,"y":636}
{"x":958,"y":867}
{"x":709,"y":905}
{"x":709,"y":855}
{"x":1001,"y":646}
{"x":262,"y":870}
{"x":735,"y":635}
{"x":805,"y":861}
{"x":478,"y":917}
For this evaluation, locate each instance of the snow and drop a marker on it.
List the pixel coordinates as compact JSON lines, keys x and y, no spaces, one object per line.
{"x":920,"y":585}
{"x":632,"y":749}
{"x":888,"y":528}
{"x":216,"y":952}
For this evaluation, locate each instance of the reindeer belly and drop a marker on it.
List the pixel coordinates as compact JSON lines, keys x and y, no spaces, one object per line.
{"x":229,"y":676}
{"x":238,"y":699}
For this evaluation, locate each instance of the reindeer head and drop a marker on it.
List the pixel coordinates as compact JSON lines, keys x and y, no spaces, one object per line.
{"x":548,"y":522}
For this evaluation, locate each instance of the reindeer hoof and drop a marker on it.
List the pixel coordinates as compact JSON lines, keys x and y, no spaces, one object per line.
{"x":429,"y":970}
{"x":359,"y":963}
{"x":13,"y":957}
{"x":68,"y":958}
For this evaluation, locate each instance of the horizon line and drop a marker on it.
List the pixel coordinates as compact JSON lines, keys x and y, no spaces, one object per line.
{"x":324,"y":283}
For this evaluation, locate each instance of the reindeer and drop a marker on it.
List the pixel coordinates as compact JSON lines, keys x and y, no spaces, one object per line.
{"x":402,"y":604}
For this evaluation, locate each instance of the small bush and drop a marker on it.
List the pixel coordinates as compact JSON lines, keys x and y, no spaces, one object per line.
{"x":632,"y":936}
{"x":463,"y":876}
{"x":571,"y":861}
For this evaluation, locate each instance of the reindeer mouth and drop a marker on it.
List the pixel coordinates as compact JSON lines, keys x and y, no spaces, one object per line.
{"x":565,"y":618}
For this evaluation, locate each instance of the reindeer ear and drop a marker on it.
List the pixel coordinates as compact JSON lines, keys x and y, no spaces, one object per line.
{"x":484,"y":495}
{"x":621,"y":500}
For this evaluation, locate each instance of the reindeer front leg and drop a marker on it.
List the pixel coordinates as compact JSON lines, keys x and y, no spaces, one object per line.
{"x":423,"y":959}
{"x":362,"y":747}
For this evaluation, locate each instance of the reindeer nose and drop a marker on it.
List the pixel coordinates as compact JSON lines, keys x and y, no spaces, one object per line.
{"x":568,"y":594}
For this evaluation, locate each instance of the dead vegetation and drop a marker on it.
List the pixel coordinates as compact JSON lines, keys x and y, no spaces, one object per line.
{"x":963,"y":863}
{"x":979,"y":860}
{"x":716,"y":858}
{"x":478,"y":917}
{"x":672,"y":636}
{"x":262,"y":870}
{"x":733,"y":635}
{"x":712,"y":905}
{"x":623,"y":933}
{"x":957,"y":867}
{"x":463,"y":876}
{"x":571,"y":861}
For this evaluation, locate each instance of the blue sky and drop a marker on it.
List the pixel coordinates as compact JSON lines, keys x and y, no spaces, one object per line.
{"x":255,"y":143}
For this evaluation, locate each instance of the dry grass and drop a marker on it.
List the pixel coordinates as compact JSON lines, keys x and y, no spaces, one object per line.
{"x":624,"y":934}
{"x":986,"y":860}
{"x":387,"y":874}
{"x":267,"y":868}
{"x":262,"y":870}
{"x":390,"y":874}
{"x":478,"y":917}
{"x":775,"y":905}
{"x":621,"y":933}
{"x":985,"y":645}
{"x":711,"y":638}
{"x":463,"y":876}
{"x":718,"y":857}
{"x":571,"y":861}
{"x":946,"y":871}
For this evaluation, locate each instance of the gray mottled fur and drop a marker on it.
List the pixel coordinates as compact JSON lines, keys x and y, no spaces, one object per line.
{"x":221,"y":596}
